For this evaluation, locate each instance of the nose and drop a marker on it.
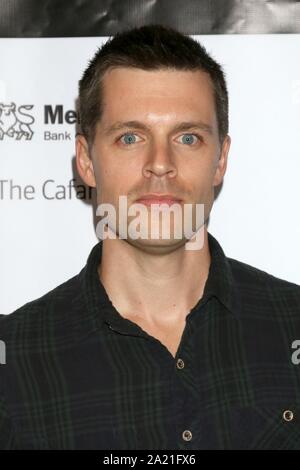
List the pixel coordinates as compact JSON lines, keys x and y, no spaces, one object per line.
{"x":160,"y":162}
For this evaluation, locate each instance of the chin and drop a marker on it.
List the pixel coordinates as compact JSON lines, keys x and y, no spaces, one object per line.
{"x":157,"y":246}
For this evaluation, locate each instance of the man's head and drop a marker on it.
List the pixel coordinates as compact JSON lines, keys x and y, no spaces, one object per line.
{"x":156,"y":80}
{"x":153,"y":47}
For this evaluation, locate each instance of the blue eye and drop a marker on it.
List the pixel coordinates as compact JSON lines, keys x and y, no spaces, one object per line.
{"x":188,"y":138}
{"x":129,"y":138}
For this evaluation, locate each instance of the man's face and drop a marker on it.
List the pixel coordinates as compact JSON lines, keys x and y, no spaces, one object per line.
{"x":156,"y":156}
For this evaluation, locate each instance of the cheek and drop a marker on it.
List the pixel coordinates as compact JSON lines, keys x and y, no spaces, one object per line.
{"x":115,"y":165}
{"x":114,"y":181}
{"x":199,"y":173}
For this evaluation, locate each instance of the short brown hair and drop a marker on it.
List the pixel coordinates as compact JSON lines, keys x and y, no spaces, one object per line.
{"x":150,"y":47}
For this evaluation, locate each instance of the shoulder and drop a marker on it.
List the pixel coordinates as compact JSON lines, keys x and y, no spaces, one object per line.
{"x":268,"y":292}
{"x":246,"y":274}
{"x":51,"y":311}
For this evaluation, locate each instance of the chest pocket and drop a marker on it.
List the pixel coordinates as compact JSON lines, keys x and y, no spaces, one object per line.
{"x":274,"y":426}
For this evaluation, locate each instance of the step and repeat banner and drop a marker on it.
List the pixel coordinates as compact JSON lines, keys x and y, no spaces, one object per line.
{"x":47,"y":212}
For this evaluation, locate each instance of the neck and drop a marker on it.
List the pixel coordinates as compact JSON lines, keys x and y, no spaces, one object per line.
{"x":153,"y":288}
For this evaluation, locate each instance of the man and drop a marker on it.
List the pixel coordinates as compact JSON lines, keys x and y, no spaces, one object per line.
{"x":153,"y":345}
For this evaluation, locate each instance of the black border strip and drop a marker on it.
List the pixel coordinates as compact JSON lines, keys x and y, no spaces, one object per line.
{"x":84,"y":18}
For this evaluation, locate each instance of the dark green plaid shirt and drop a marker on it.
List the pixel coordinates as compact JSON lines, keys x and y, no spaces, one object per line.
{"x":80,"y":376}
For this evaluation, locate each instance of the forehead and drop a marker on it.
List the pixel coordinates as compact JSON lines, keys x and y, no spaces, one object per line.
{"x":160,"y":92}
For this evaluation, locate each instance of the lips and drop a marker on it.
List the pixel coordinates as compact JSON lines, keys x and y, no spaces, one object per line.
{"x":148,"y":202}
{"x":149,"y":199}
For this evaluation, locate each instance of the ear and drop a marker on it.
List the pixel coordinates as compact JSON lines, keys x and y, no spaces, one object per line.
{"x":84,"y":161}
{"x":222,"y":162}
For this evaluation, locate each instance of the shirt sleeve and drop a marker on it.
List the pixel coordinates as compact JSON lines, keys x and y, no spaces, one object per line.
{"x":7,"y":436}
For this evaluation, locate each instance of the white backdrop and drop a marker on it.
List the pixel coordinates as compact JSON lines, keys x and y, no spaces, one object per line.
{"x":46,"y":235}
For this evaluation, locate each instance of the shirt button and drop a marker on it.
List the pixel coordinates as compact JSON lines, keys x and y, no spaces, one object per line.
{"x":180,"y":364}
{"x":187,"y":435}
{"x":288,"y":415}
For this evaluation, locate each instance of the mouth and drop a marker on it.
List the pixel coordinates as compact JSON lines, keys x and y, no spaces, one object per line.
{"x":149,"y":199}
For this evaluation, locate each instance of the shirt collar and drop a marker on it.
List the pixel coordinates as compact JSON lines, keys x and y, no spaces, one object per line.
{"x":220,"y":282}
{"x":94,"y":307}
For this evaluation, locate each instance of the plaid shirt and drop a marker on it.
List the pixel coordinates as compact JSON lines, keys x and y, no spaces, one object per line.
{"x":80,"y":376}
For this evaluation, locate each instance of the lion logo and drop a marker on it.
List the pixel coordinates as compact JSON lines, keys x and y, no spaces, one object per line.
{"x":15,"y":123}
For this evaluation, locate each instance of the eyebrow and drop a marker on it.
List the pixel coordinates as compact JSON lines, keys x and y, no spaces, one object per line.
{"x":181,"y":126}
